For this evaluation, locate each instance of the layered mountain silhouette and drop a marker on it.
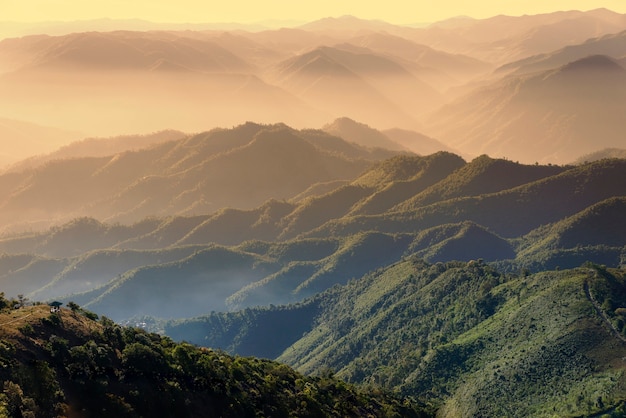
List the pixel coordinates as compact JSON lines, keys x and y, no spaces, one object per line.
{"x":438,"y":207}
{"x":611,"y":45}
{"x":241,"y":168}
{"x":362,"y":134}
{"x":427,"y":240}
{"x":98,"y":147}
{"x":392,"y":139}
{"x":361,"y":84}
{"x":507,"y":38}
{"x":389,"y":77}
{"x":453,"y":335}
{"x":572,"y":110}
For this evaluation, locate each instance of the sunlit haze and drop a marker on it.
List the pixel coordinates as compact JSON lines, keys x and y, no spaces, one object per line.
{"x":138,"y":66}
{"x":394,"y":11}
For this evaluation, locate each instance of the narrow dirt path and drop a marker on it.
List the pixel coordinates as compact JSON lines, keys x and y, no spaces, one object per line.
{"x":17,"y":319}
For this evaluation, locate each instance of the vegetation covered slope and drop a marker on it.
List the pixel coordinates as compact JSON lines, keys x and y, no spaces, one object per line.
{"x":462,"y":337}
{"x":69,"y":364}
{"x":199,"y":174}
{"x":438,"y":207}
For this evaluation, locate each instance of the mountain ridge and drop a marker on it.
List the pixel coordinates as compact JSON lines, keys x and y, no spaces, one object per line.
{"x":183,"y":177}
{"x":438,"y":207}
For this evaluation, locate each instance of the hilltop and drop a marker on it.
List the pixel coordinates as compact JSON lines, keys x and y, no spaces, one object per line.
{"x":71,"y":363}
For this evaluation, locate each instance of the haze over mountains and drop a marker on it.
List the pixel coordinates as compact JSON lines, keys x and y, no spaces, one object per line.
{"x":557,"y":110}
{"x":427,"y":80}
{"x":277,"y":241}
{"x":199,"y":174}
{"x":437,"y":212}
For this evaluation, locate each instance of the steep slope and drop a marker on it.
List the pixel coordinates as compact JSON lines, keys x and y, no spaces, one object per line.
{"x":315,"y":211}
{"x":611,"y":45}
{"x":415,"y":141}
{"x":563,"y":113}
{"x":596,"y":232}
{"x":356,"y":256}
{"x":464,"y":242}
{"x":483,"y":175}
{"x":402,"y":178}
{"x":458,"y":336}
{"x":502,"y":39}
{"x":69,"y":362}
{"x":98,"y":147}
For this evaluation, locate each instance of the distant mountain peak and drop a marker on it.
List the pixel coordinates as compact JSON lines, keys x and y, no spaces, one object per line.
{"x":361,"y":134}
{"x":346,"y":23}
{"x":593,"y":63}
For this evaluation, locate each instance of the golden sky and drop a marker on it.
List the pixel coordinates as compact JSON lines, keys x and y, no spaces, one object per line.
{"x":249,"y":11}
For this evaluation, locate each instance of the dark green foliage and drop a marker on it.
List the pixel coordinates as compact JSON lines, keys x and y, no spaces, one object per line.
{"x":107,"y":370}
{"x":189,"y":287}
{"x":403,"y":177}
{"x":249,"y":331}
{"x":4,"y":303}
{"x":483,"y":175}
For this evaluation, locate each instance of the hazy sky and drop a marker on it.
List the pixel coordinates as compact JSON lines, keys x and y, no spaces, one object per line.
{"x":248,"y":11}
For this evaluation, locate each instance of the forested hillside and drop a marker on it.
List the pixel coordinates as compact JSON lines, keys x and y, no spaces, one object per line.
{"x":459,"y":337}
{"x":69,"y":363}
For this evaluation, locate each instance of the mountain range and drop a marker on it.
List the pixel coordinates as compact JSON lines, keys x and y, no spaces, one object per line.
{"x":197,"y":174}
{"x":433,"y":215}
{"x":440,"y":81}
{"x":19,"y":138}
{"x":572,"y":110}
{"x":285,"y":248}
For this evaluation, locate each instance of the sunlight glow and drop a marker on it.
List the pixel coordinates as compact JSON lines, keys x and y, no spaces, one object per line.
{"x":245,"y":11}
